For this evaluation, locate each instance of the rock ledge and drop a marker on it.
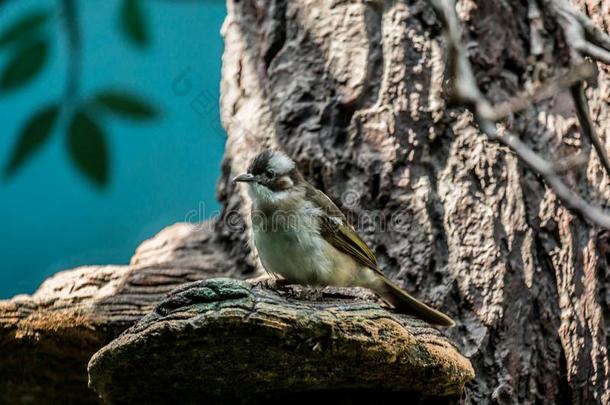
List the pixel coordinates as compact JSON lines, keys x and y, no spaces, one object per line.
{"x":222,"y":339}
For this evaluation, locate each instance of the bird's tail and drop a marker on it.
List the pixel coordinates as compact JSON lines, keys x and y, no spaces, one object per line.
{"x":404,"y":302}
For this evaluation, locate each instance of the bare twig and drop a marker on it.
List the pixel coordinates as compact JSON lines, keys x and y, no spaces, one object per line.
{"x":579,"y":30}
{"x":466,"y":90}
{"x":581,"y":34}
{"x":599,"y":38}
{"x":570,"y":199}
{"x":570,"y":162}
{"x":536,"y":26}
{"x":586,"y":125}
{"x":583,"y":71}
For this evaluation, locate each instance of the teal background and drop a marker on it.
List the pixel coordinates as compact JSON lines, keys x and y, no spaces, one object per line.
{"x":164,"y":171}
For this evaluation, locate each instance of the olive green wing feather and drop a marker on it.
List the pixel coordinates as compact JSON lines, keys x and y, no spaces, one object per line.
{"x":344,"y":238}
{"x":339,"y":233}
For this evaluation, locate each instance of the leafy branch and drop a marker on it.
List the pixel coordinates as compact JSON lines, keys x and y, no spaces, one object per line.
{"x":80,"y":118}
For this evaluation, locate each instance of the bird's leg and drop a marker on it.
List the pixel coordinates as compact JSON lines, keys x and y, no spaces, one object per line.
{"x":317,"y":292}
{"x":281,"y":283}
{"x":270,"y":281}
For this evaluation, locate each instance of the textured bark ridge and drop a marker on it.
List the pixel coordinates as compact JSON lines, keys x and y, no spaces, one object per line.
{"x":352,"y":91}
{"x":223,"y":340}
{"x":46,"y":339}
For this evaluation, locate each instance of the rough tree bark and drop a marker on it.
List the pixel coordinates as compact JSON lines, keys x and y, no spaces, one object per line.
{"x":352,"y":91}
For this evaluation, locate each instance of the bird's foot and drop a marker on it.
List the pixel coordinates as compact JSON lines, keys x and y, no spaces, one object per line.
{"x":315,"y":293}
{"x":270,"y":282}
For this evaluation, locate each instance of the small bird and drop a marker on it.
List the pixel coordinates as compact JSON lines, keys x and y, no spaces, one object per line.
{"x":300,"y":234}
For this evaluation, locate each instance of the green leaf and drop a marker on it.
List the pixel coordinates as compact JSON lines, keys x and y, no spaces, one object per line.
{"x":25,"y":65}
{"x":32,"y":137}
{"x":126,"y":105}
{"x":87,"y":148}
{"x":24,"y":27}
{"x":133,"y":23}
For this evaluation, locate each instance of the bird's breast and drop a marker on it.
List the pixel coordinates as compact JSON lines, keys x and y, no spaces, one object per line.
{"x":290,"y":244}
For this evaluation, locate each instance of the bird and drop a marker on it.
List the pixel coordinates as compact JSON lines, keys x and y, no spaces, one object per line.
{"x":302,"y":236}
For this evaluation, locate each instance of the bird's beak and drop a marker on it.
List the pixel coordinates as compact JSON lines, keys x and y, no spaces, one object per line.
{"x":244,"y":178}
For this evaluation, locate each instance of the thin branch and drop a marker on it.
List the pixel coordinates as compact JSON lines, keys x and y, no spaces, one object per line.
{"x":575,"y":27}
{"x":570,"y":20}
{"x":570,"y":162}
{"x":586,"y":125}
{"x":583,"y":71}
{"x":593,"y":34}
{"x":571,"y":200}
{"x":594,"y":52}
{"x":467,"y":91}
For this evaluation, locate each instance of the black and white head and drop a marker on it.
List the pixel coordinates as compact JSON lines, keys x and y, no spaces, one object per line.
{"x":270,"y":174}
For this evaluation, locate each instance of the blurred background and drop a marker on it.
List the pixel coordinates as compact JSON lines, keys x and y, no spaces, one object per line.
{"x":110,"y":128}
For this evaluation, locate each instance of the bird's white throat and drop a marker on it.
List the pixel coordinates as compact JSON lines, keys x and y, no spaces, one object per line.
{"x":265,"y":199}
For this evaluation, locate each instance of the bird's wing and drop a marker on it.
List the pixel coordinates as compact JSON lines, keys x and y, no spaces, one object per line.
{"x":338,"y":232}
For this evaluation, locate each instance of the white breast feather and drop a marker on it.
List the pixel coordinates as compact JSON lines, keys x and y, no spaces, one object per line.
{"x":301,"y":255}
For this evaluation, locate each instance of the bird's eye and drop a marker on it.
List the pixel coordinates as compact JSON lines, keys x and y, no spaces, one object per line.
{"x":269,"y":174}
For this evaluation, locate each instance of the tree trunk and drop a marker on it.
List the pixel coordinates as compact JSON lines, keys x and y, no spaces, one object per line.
{"x":352,"y":90}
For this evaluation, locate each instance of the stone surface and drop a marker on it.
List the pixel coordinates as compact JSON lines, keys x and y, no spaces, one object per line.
{"x":223,"y":340}
{"x":46,"y":339}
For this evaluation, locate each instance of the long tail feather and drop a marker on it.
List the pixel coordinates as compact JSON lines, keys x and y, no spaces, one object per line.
{"x":404,"y":302}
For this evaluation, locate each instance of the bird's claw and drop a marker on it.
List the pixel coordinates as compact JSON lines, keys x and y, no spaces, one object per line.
{"x":271,"y":283}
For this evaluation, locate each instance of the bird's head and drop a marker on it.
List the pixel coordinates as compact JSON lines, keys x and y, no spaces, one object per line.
{"x":271,"y":176}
